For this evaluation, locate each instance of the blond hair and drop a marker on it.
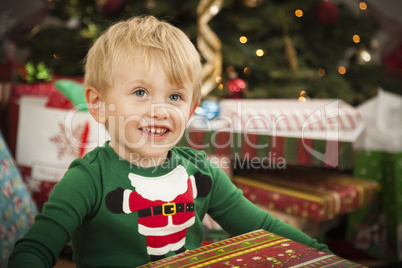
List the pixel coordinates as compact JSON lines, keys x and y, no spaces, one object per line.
{"x":154,"y":38}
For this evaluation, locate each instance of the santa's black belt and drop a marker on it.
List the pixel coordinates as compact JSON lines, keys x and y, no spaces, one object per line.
{"x":166,"y":209}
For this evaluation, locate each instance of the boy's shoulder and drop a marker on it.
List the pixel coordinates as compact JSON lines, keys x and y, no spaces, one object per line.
{"x":192,"y":157}
{"x":93,"y":155}
{"x":91,"y":159}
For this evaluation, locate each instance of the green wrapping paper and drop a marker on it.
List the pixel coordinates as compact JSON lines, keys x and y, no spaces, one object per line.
{"x":377,"y":230}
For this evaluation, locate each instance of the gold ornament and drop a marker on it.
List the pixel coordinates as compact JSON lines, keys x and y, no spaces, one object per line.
{"x":252,"y":3}
{"x":209,"y":44}
{"x":290,"y":51}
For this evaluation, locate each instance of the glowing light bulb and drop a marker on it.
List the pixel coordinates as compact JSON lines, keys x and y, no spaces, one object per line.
{"x":356,"y":38}
{"x":321,"y":72}
{"x":247,"y":70}
{"x":299,"y":13}
{"x":214,"y":9}
{"x":341,"y":70}
{"x":243,"y":39}
{"x":230,"y":69}
{"x":365,"y":56}
{"x":259,"y":52}
{"x":362,"y":5}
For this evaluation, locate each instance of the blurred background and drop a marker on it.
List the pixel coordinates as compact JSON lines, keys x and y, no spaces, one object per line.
{"x":328,"y":49}
{"x":297,"y":51}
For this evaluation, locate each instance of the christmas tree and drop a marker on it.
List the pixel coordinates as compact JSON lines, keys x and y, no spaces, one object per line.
{"x":279,"y":49}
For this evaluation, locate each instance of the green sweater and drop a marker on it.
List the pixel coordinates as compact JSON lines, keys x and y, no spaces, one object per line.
{"x":110,"y":224}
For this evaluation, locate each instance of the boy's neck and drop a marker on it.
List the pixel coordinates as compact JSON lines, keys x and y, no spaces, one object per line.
{"x":137,"y":160}
{"x":149,"y":162}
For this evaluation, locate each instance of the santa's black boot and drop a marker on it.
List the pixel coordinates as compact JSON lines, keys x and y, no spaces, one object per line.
{"x":157,"y":257}
{"x":181,"y":250}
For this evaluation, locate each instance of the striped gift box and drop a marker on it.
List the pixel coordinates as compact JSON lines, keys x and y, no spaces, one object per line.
{"x":256,"y":249}
{"x":274,"y":149}
{"x":312,"y":133}
{"x":316,"y":195}
{"x":315,"y":118}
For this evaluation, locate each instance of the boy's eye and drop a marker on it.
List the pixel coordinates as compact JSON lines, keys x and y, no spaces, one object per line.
{"x":140,"y":93}
{"x":175,"y":97}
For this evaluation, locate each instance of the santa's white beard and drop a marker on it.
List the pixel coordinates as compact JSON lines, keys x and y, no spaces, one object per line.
{"x":165,"y":188}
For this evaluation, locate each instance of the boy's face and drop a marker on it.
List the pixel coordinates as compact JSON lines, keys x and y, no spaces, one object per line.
{"x":145,"y":114}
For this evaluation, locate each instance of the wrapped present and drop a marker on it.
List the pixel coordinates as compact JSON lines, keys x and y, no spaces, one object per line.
{"x":313,"y":133}
{"x":256,"y":249}
{"x":58,"y":96}
{"x":316,"y":194}
{"x":19,"y":90}
{"x":309,"y":227}
{"x":321,"y":119}
{"x":374,"y":229}
{"x":275,"y":150}
{"x":17,"y":209}
{"x":213,"y":231}
{"x":48,"y":132}
{"x":377,"y":230}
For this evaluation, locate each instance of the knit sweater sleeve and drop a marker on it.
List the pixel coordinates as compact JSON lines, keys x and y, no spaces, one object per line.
{"x":237,"y":215}
{"x":72,"y":199}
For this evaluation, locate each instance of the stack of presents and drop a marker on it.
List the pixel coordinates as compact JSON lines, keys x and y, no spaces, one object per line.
{"x":290,"y":158}
{"x":311,"y":163}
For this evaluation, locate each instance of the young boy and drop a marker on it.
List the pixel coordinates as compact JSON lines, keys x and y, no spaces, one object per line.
{"x":139,"y":198}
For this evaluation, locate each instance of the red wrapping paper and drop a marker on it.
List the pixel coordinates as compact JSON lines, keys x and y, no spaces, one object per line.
{"x":315,"y":195}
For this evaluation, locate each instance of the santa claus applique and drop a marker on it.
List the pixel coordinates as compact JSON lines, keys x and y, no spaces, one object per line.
{"x":165,"y":207}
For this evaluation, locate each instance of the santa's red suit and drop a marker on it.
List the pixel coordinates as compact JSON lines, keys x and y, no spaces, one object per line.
{"x":165,"y":206}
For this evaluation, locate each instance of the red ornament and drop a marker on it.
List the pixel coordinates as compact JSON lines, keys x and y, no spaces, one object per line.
{"x":393,"y":61}
{"x":326,"y":12}
{"x":110,"y":7}
{"x":236,"y":86}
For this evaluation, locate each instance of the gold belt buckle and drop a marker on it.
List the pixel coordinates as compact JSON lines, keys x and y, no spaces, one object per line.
{"x":168,"y":209}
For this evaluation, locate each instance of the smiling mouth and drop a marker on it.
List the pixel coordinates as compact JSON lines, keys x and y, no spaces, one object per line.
{"x":155,"y":131}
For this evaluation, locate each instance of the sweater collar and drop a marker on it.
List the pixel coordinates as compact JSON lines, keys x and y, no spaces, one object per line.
{"x":124,"y":166}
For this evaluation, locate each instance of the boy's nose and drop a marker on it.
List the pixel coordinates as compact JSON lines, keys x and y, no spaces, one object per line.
{"x":159,"y":111}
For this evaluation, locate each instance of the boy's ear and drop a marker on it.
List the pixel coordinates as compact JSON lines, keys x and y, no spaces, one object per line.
{"x":194,"y":107}
{"x":96,"y":106}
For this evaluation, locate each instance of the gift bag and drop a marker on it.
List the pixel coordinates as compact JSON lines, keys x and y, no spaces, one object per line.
{"x":49,"y":139}
{"x":377,"y":230}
